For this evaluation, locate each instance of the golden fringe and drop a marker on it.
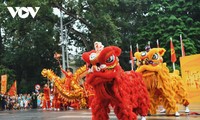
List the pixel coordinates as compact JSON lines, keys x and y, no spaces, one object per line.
{"x":164,"y":88}
{"x":77,"y":92}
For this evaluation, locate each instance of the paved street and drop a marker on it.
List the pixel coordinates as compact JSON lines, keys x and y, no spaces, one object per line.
{"x":38,"y":114}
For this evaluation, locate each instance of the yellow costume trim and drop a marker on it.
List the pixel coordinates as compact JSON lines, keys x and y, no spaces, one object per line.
{"x":76,"y":92}
{"x":164,"y":88}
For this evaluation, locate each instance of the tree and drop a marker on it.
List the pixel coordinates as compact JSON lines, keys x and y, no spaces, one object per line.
{"x":166,"y":19}
{"x":29,"y":44}
{"x":111,"y":22}
{"x":128,"y":22}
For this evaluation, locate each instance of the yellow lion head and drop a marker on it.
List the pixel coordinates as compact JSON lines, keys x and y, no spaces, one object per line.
{"x":153,"y":57}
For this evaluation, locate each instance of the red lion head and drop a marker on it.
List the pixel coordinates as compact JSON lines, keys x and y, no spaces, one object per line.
{"x":101,"y":63}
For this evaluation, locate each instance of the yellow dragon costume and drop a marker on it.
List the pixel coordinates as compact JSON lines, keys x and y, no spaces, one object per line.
{"x":76,"y":93}
{"x":164,"y":88}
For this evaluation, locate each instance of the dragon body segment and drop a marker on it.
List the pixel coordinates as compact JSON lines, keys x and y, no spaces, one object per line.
{"x":75,"y":93}
{"x":164,"y":88}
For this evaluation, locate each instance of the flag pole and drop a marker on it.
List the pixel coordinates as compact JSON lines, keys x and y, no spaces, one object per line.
{"x":137,"y":47}
{"x":182,"y":46}
{"x":158,"y":46}
{"x":149,"y":44}
{"x":131,"y":57}
{"x":173,"y":66}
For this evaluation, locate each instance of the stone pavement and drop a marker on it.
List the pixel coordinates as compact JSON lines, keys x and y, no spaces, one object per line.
{"x":39,"y":114}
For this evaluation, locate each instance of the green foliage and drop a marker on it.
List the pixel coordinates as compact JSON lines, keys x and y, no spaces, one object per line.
{"x":29,"y":44}
{"x":122,"y":23}
{"x":167,"y":19}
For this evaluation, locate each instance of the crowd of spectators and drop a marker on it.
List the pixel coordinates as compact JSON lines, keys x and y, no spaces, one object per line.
{"x":20,"y":101}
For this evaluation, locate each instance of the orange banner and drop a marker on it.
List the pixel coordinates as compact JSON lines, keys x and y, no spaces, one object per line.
{"x":13,"y":89}
{"x":3,"y":84}
{"x":190,"y":69}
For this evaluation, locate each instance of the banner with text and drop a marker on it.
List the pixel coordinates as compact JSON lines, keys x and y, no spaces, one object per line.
{"x":190,"y":69}
{"x":3,"y":84}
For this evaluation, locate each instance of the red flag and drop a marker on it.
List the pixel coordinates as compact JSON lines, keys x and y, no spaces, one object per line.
{"x":13,"y":89}
{"x":173,"y":54}
{"x":182,"y":46}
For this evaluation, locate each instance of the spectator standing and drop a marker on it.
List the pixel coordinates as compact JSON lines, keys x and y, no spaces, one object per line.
{"x":34,"y":100}
{"x":1,"y":101}
{"x":20,"y":101}
{"x":4,"y":102}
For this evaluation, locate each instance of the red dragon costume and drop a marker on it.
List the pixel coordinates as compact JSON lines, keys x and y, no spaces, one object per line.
{"x":124,"y":91}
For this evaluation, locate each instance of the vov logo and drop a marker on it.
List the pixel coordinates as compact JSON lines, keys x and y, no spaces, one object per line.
{"x":23,"y":12}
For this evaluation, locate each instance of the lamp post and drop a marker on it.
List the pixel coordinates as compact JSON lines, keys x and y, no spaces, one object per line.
{"x":62,"y":40}
{"x":66,"y":46}
{"x":66,"y":41}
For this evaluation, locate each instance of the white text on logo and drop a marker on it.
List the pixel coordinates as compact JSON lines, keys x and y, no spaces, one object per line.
{"x":23,"y":12}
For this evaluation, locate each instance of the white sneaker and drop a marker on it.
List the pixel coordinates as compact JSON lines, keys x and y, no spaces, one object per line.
{"x":177,"y":114}
{"x":71,"y":108}
{"x":44,"y":108}
{"x":143,"y":118}
{"x":163,"y":110}
{"x":58,"y":109}
{"x":187,"y":110}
